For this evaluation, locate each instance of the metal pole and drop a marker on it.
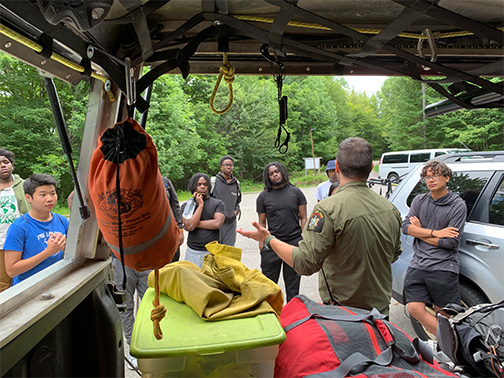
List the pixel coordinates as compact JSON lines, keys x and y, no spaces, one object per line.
{"x":312,"y":151}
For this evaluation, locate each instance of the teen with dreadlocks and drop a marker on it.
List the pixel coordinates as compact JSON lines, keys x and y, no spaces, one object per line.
{"x":283,"y":207}
{"x":206,"y":221}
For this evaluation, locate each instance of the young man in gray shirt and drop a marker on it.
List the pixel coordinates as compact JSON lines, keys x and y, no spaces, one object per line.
{"x":435,"y":220}
{"x":227,"y":188}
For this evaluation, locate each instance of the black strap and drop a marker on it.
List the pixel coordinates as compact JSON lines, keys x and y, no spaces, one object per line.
{"x":437,"y":87}
{"x":278,"y":27}
{"x":334,"y":302}
{"x":86,"y":63}
{"x":46,"y":42}
{"x":396,"y":27}
{"x":432,"y":10}
{"x":183,"y":29}
{"x":119,"y":150}
{"x":282,"y":100}
{"x":138,"y":13}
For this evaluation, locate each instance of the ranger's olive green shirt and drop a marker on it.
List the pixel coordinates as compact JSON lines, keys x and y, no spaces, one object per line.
{"x":354,"y":236}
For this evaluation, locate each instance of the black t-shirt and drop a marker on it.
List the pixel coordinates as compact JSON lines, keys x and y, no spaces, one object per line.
{"x":282,"y":211}
{"x":199,"y":237}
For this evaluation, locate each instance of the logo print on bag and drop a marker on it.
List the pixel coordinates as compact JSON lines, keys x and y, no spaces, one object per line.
{"x":131,"y":201}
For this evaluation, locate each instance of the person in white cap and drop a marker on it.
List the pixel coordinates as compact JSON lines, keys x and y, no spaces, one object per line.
{"x":323,"y":188}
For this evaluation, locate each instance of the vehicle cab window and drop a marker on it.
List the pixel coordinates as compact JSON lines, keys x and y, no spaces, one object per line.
{"x":466,"y":184}
{"x":497,"y":206}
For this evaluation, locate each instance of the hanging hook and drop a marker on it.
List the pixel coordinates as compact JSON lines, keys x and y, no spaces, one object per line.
{"x":432,"y":46}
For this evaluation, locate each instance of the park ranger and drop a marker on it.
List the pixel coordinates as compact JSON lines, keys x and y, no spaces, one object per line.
{"x":351,"y":238}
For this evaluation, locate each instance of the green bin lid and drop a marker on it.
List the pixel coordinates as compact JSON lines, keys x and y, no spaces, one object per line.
{"x":185,"y":333}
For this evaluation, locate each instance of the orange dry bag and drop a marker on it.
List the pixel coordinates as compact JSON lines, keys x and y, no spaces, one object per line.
{"x":125,"y":166}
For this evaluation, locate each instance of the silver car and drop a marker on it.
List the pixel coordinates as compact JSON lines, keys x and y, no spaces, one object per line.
{"x":479,"y":179}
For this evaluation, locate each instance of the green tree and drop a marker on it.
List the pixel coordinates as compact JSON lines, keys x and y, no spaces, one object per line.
{"x":27,"y":126}
{"x":366,"y":122}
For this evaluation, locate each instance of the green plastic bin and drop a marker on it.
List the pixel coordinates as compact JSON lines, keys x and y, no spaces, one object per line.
{"x":192,"y":347}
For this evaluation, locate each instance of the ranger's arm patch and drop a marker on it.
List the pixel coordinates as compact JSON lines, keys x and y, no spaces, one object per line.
{"x":316,"y":221}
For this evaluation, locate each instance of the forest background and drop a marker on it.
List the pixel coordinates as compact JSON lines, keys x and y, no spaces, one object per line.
{"x":190,"y":138}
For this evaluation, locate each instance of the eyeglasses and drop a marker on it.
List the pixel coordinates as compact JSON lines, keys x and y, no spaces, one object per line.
{"x":429,"y":178}
{"x":227,"y":165}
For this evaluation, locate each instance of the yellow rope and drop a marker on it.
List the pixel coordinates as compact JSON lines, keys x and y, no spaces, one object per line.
{"x":311,"y":25}
{"x":227,"y":71}
{"x":159,"y":310}
{"x":54,"y":56}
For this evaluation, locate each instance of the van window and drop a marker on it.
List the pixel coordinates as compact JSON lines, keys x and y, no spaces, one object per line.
{"x":467,"y":185}
{"x":420,"y":157}
{"x":439,"y":153}
{"x":394,"y":159}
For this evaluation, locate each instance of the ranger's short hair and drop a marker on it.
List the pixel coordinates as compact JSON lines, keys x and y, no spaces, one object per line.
{"x":355,"y":158}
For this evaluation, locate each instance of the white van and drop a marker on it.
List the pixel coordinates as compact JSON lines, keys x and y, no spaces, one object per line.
{"x":394,"y":165}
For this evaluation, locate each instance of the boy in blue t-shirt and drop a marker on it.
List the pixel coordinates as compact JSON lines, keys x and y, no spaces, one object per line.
{"x":35,"y":240}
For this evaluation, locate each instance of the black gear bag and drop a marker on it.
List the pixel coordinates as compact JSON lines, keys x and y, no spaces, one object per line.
{"x":474,"y":337}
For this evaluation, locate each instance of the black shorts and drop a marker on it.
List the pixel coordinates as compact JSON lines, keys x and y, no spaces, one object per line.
{"x":437,"y":287}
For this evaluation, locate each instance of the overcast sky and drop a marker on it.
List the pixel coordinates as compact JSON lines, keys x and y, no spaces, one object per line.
{"x":368,"y":84}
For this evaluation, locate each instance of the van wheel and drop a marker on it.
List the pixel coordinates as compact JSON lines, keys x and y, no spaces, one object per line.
{"x":470,"y":297}
{"x":394,"y":178}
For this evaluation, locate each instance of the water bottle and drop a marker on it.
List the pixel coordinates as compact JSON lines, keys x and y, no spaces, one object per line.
{"x":189,"y":208}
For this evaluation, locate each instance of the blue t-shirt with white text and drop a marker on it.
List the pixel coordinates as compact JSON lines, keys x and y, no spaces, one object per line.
{"x":29,"y":236}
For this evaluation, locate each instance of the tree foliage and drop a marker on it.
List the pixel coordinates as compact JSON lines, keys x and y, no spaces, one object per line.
{"x":401,"y":111}
{"x":190,"y":138}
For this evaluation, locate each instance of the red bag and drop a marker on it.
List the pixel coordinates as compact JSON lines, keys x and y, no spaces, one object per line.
{"x":336,"y":342}
{"x":149,"y":232}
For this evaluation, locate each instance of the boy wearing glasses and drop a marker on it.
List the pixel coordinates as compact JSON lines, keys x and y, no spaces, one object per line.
{"x":226,"y":187}
{"x":435,"y":220}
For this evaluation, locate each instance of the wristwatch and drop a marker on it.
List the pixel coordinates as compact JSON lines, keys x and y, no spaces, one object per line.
{"x":267,"y":241}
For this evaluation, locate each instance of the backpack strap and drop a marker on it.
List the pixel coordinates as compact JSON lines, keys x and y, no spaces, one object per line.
{"x":239,"y":194}
{"x":213,"y":179}
{"x":370,"y":316}
{"x":356,"y":363}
